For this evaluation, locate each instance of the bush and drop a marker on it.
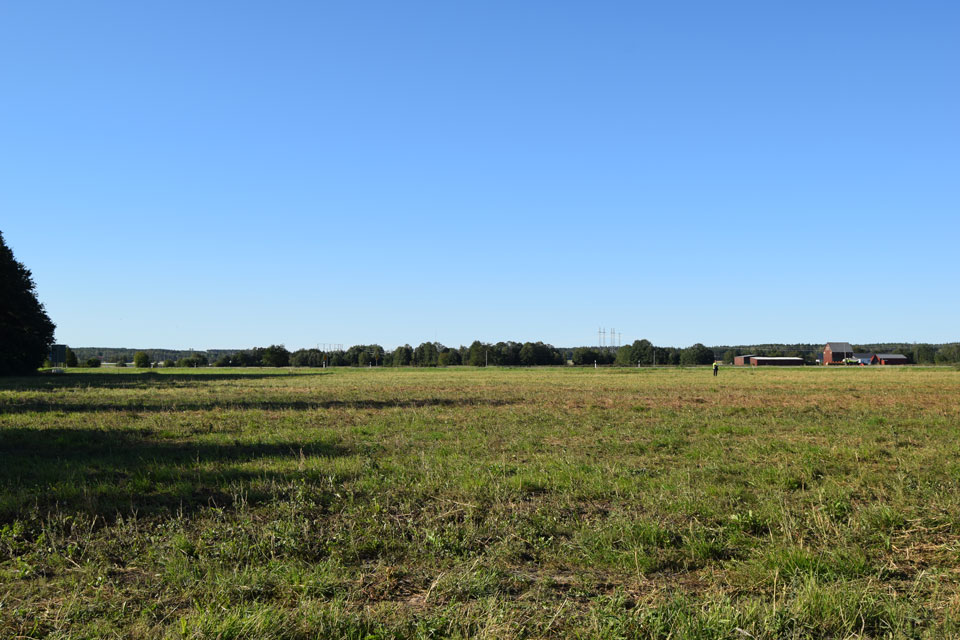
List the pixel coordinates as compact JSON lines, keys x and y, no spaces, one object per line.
{"x":141,"y":360}
{"x":192,"y":361}
{"x":93,"y":363}
{"x":169,"y":363}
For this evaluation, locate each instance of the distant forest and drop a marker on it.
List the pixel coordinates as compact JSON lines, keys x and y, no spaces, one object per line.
{"x":479,"y":354}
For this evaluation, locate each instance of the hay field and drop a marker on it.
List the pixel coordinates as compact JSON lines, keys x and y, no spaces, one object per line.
{"x":493,"y":503}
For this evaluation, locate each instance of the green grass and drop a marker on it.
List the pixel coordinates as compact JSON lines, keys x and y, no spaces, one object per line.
{"x":497,"y":503}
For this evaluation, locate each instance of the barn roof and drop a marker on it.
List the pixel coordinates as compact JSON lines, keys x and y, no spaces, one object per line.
{"x":861,"y":356}
{"x":843,"y":347}
{"x":891,"y":356}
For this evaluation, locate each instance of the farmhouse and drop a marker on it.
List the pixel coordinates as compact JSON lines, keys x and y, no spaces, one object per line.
{"x":764,"y":361}
{"x":837,"y":352}
{"x":842,"y":353}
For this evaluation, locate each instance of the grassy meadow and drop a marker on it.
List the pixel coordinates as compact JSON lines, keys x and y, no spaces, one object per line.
{"x":488,"y":503}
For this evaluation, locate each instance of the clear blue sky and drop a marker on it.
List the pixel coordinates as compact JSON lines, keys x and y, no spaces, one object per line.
{"x":230,"y":174}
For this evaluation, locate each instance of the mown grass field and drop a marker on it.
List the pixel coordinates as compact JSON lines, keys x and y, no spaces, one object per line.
{"x":497,"y":503}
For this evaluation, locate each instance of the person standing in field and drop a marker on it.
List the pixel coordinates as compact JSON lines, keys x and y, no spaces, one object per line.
{"x":716,"y":368}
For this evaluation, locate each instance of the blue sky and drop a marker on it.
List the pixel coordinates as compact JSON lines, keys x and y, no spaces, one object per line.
{"x":231,"y":174}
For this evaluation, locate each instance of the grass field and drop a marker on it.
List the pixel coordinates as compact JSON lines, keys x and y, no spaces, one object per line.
{"x":494,"y":503}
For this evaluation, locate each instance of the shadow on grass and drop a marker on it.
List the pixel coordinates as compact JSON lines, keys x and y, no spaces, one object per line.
{"x":108,"y":379}
{"x":53,"y":405}
{"x":108,"y":472}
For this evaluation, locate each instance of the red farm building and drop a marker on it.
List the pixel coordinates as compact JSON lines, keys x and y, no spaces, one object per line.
{"x":835,"y":352}
{"x":742,"y":360}
{"x":889,"y":358}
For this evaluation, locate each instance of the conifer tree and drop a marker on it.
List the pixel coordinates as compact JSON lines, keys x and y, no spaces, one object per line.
{"x":26,"y":331}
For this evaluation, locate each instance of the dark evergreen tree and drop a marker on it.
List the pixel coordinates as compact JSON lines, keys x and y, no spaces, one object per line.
{"x":26,"y":331}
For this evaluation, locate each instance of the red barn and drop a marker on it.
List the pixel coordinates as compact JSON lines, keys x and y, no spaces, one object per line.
{"x":742,"y":360}
{"x":836,"y":352}
{"x":891,"y":358}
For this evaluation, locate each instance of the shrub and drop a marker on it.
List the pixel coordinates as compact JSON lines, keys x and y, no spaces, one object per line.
{"x":192,"y":361}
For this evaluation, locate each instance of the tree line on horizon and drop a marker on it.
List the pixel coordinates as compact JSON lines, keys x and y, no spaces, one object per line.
{"x":427,"y":354}
{"x":506,"y":353}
